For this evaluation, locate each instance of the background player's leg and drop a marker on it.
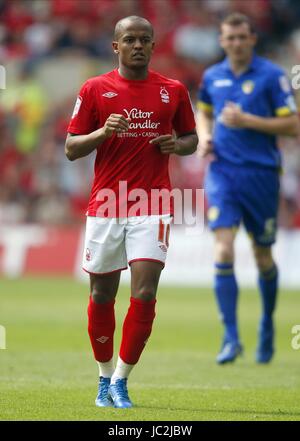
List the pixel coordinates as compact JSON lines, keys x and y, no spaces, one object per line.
{"x":101,"y":319}
{"x":268,"y":286}
{"x":226,"y":291}
{"x":139,"y":319}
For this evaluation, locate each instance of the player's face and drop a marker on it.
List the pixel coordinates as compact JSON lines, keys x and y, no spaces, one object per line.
{"x":135,"y":46}
{"x":237,"y":41}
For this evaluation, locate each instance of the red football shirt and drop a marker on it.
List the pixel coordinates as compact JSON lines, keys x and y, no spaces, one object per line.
{"x":127,"y":167}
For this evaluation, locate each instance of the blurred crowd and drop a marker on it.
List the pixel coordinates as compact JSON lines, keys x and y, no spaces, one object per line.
{"x":37,"y":183}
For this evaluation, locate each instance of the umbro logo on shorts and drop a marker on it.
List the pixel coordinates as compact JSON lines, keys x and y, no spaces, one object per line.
{"x":109,"y":94}
{"x":102,"y":339}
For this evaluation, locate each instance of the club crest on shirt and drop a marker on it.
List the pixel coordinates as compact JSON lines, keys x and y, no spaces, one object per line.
{"x":213,"y":213}
{"x":163,"y":247}
{"x":164,"y":94}
{"x":248,"y":86}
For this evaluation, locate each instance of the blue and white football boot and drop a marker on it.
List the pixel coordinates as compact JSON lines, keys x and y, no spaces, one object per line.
{"x":229,"y":352}
{"x":103,"y":398}
{"x":119,"y":394}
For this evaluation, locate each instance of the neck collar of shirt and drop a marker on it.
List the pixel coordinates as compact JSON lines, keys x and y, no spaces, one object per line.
{"x":132,"y":81}
{"x":252,"y":66}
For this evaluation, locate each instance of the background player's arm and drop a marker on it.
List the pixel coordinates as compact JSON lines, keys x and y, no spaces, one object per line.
{"x":233,"y":116}
{"x":204,"y":120}
{"x":78,"y":146}
{"x":183,"y":145}
{"x":279,"y":125}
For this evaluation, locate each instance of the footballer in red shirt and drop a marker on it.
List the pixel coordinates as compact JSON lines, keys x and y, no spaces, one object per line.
{"x":134,"y":118}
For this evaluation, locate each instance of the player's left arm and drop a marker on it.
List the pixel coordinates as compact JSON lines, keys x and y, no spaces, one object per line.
{"x":280,"y":125}
{"x":182,"y":145}
{"x":284,"y":122}
{"x":233,"y":116}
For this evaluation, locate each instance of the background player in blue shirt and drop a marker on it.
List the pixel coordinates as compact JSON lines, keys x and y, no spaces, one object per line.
{"x":244,"y":103}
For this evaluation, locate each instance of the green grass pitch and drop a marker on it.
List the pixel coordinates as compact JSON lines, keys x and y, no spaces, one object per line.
{"x":47,"y":371}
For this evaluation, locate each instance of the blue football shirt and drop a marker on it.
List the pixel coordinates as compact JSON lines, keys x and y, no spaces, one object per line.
{"x":263,"y":90}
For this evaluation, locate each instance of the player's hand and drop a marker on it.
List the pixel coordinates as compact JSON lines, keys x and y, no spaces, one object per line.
{"x":167,"y":144}
{"x":205,"y":146}
{"x":232,"y":116}
{"x":115,"y":123}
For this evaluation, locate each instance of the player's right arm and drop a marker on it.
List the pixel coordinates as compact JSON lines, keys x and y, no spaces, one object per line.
{"x":86,"y":131}
{"x":78,"y":146}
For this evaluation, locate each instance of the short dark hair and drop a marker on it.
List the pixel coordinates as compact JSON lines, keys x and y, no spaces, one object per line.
{"x":132,"y":18}
{"x":236,"y":19}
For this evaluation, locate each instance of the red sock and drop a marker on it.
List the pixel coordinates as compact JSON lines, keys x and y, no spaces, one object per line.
{"x":136,"y":329}
{"x":101,"y":327}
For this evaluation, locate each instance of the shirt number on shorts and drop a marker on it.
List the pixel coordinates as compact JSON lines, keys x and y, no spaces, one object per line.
{"x":163,"y":233}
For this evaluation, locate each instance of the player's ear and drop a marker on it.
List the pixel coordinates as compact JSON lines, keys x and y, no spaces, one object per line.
{"x":115,"y":46}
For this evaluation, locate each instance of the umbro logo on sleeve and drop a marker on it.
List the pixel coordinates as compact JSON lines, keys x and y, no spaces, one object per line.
{"x":109,"y":94}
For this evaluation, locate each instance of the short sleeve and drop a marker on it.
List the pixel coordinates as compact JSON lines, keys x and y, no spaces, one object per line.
{"x":84,"y":117}
{"x":204,"y":101}
{"x":184,"y":120}
{"x":281,"y":95}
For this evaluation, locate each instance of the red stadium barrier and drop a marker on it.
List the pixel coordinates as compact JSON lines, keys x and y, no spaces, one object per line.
{"x":41,"y":250}
{"x":35,"y":249}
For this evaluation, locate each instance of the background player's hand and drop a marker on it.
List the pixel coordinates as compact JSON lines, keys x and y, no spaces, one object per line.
{"x":205,"y":146}
{"x":115,"y":123}
{"x":233,"y":116}
{"x":167,"y":144}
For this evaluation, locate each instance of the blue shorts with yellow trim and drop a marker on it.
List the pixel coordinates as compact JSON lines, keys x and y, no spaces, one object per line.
{"x":245,"y":194}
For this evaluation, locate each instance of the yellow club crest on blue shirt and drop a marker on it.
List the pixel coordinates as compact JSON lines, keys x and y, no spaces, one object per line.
{"x":248,"y":86}
{"x":213,"y":213}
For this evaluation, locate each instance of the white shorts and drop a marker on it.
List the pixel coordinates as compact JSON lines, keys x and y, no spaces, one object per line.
{"x":111,"y":243}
